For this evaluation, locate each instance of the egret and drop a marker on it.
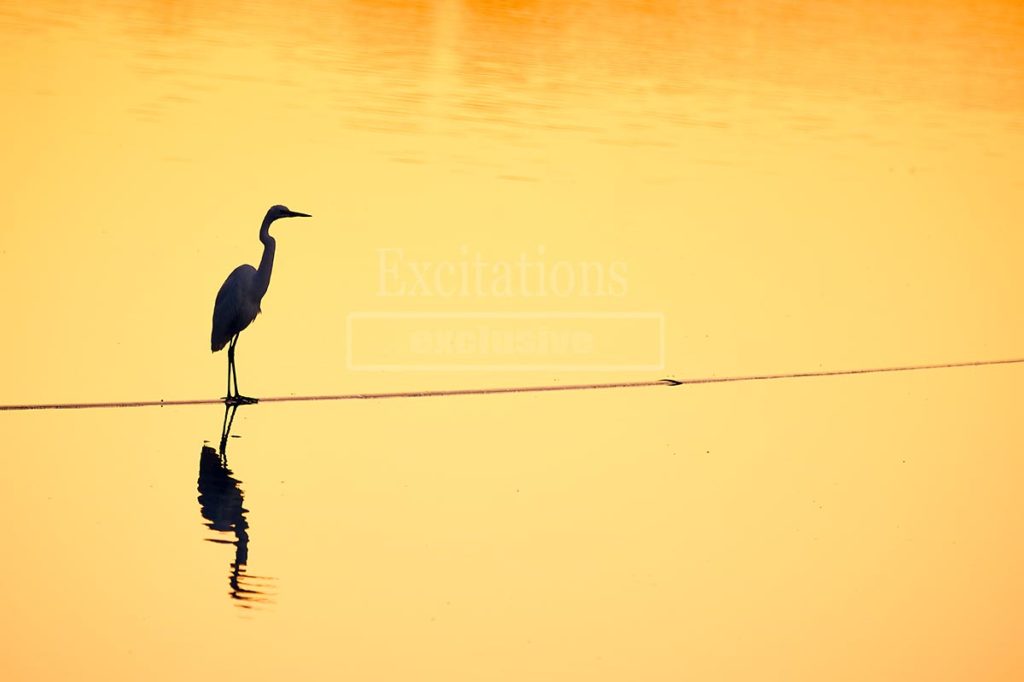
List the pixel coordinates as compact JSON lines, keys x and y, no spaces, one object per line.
{"x":238,"y":301}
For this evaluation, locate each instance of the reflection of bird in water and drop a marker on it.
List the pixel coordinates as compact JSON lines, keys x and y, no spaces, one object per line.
{"x":238,"y":301}
{"x":221,"y":504}
{"x":225,"y":428}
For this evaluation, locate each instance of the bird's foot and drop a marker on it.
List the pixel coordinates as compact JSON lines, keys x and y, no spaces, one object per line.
{"x":235,"y":400}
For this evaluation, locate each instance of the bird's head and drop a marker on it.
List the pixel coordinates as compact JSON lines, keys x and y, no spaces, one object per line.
{"x":280,"y":211}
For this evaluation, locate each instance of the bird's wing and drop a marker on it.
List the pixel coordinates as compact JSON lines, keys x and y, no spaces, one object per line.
{"x":233,"y":311}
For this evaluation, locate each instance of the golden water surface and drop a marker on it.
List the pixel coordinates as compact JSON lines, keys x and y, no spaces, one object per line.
{"x":514,"y":193}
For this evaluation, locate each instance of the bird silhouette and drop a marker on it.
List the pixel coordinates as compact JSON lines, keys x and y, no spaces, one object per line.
{"x":238,"y":301}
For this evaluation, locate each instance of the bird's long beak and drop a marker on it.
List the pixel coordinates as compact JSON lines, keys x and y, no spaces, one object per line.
{"x":296,"y":214}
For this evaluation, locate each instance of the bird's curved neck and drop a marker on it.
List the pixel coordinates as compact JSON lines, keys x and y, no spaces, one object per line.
{"x":267,"y":262}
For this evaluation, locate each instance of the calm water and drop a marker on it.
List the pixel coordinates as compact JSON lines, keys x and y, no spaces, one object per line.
{"x":646,"y":190}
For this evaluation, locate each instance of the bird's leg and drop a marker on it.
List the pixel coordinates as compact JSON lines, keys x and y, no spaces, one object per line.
{"x":231,"y":354}
{"x":238,"y":399}
{"x":231,"y":363}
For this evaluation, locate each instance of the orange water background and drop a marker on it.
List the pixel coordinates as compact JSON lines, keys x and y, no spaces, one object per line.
{"x":789,"y":186}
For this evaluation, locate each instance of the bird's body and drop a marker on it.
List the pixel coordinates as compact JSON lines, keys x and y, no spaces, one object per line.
{"x":238,"y":304}
{"x":238,"y":300}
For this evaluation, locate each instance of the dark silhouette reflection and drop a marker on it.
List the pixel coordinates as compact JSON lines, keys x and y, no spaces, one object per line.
{"x":221,"y":503}
{"x":225,"y":427}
